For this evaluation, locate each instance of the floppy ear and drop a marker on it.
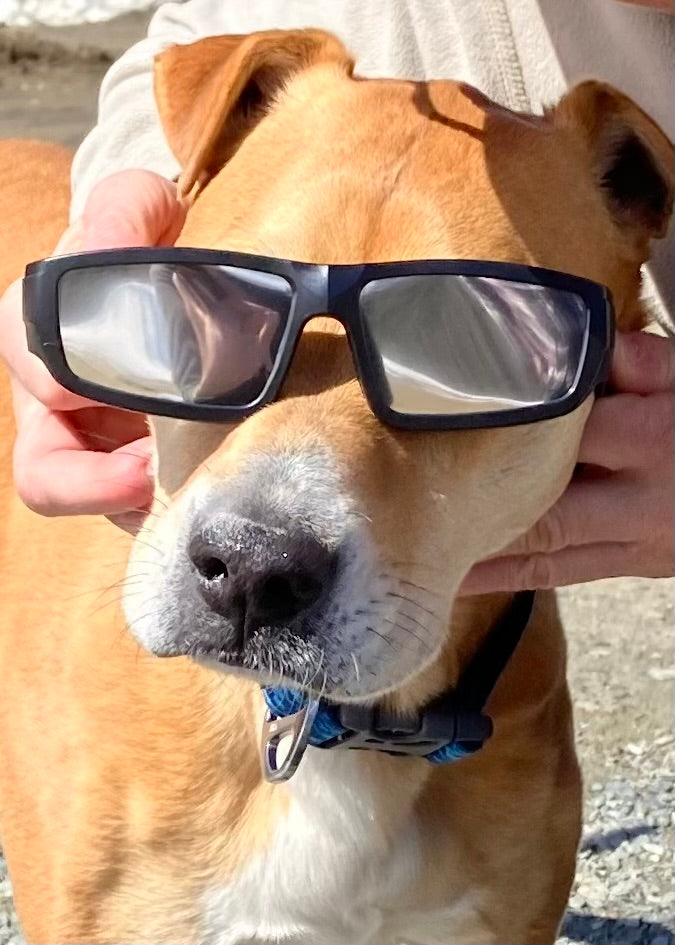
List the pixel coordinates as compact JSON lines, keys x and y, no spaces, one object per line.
{"x":211,"y":93}
{"x":631,"y":157}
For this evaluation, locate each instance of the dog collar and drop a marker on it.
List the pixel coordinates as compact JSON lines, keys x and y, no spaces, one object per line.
{"x":449,"y":728}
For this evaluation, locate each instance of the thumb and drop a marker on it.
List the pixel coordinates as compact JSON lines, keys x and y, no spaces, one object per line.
{"x":132,"y":208}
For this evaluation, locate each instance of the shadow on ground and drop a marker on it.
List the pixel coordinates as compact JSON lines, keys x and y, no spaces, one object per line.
{"x":605,"y":930}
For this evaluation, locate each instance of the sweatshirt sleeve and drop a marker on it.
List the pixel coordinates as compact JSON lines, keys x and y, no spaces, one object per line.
{"x":128,"y":132}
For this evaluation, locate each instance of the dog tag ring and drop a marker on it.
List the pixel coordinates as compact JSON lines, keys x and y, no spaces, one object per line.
{"x":296,"y":728}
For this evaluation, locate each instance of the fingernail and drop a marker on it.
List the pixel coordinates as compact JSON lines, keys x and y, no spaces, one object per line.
{"x":145,"y":452}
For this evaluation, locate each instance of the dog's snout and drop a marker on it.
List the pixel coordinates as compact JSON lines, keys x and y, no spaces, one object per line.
{"x":256,"y":575}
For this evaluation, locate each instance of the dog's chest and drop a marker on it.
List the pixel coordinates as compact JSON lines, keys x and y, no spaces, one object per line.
{"x":333,"y":872}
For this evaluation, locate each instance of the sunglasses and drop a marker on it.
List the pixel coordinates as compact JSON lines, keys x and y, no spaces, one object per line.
{"x":201,"y":334}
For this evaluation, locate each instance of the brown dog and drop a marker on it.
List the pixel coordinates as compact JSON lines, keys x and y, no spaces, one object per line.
{"x":132,"y":803}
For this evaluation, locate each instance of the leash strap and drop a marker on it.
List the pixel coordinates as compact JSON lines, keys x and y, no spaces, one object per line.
{"x":477,"y":682}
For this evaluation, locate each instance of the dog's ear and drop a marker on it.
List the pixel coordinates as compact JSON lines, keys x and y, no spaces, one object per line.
{"x":211,"y":93}
{"x":631,"y":158}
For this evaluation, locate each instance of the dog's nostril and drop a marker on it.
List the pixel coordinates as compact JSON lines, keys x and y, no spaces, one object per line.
{"x":307,"y":589}
{"x":210,"y":567}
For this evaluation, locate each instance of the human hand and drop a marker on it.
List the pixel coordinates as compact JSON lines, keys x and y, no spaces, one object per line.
{"x":616,"y":516}
{"x":73,"y":456}
{"x":665,"y":6}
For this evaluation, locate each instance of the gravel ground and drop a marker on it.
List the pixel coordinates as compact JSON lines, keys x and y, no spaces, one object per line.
{"x":622,"y":672}
{"x":620,"y":632}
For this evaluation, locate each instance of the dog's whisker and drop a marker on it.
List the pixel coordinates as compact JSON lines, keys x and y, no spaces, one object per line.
{"x":119,"y":586}
{"x":417,"y":564}
{"x":103,"y":438}
{"x":137,"y":620}
{"x":147,"y":544}
{"x":419,"y":623}
{"x":357,"y":672}
{"x":386,"y":575}
{"x":134,"y":572}
{"x":410,"y":632}
{"x":143,"y":513}
{"x":138,"y":654}
{"x":117,"y":600}
{"x":419,"y":587}
{"x":415,"y":603}
{"x":360,"y":514}
{"x":96,"y":591}
{"x":107,"y":479}
{"x":381,"y":636}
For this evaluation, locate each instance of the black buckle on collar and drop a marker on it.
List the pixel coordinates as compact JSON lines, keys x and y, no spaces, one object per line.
{"x":454,"y":718}
{"x":439,"y":725}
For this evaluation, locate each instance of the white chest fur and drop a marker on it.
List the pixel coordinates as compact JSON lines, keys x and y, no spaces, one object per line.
{"x":336,"y":870}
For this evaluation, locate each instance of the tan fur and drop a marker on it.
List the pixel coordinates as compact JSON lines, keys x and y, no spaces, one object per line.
{"x":132,"y":781}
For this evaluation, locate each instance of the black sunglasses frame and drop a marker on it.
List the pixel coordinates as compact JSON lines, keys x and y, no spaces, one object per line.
{"x":318,"y":290}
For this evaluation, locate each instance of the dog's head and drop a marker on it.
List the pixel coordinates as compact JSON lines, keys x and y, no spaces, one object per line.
{"x":311,"y":540}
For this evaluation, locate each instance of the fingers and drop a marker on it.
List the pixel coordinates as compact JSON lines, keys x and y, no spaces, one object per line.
{"x":643,"y":363}
{"x":587,"y":513}
{"x":55,"y":474}
{"x":132,"y":521}
{"x":627,"y":431}
{"x":86,"y":483}
{"x":105,"y":429}
{"x":132,"y":208}
{"x":568,"y":566}
{"x":665,"y":6}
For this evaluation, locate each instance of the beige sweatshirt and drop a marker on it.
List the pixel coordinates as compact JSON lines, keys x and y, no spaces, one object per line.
{"x":523,"y":53}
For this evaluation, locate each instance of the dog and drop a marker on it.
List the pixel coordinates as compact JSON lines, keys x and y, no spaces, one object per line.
{"x":133,"y":807}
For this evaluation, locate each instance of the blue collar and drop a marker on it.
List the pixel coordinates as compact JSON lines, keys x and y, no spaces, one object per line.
{"x":449,"y":728}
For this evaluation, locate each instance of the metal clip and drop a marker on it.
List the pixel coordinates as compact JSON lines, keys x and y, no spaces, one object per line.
{"x":297,"y":728}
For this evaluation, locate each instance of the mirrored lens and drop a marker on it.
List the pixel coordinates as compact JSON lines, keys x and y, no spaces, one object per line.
{"x":176,"y":332}
{"x":459,"y":344}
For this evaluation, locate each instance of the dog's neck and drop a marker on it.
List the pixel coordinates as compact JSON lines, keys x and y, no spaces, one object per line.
{"x":366,"y":801}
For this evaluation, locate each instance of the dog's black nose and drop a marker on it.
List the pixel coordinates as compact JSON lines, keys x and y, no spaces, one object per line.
{"x":257,"y":575}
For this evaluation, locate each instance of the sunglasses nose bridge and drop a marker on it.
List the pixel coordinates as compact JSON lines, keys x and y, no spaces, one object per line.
{"x":316,"y":301}
{"x":327,"y":291}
